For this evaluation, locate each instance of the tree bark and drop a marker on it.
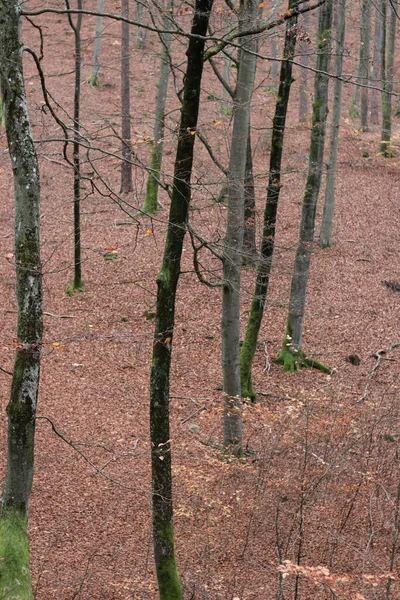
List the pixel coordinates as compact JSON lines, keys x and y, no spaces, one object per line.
{"x":76,"y":27}
{"x":126,"y":168}
{"x":274,"y":186}
{"x":94,"y":80}
{"x":363,"y":62}
{"x":325,"y":236}
{"x":15,"y":580}
{"x":374,"y":68}
{"x":163,"y":532}
{"x":232,"y":255}
{"x":303,"y":51}
{"x":249,"y":231}
{"x":365,"y":46}
{"x":150,"y":205}
{"x":389,"y":40}
{"x":292,"y":355}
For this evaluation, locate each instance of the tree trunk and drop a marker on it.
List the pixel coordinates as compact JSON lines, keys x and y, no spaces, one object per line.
{"x":249,"y":231}
{"x":77,"y":284}
{"x":15,"y":580}
{"x":150,"y":204}
{"x":139,"y":19}
{"x":94,"y":80}
{"x":374,"y":67}
{"x":163,"y":532}
{"x":292,"y":355}
{"x":126,"y":168}
{"x":387,"y":76}
{"x":303,"y":51}
{"x":274,"y":46}
{"x":365,"y":46}
{"x":325,"y":236}
{"x":363,"y":59}
{"x":274,"y":185}
{"x":232,"y":257}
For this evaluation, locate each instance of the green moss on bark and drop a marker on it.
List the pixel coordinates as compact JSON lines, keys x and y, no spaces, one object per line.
{"x":15,"y":579}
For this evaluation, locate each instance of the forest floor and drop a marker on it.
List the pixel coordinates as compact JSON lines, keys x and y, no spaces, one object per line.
{"x":319,"y":483}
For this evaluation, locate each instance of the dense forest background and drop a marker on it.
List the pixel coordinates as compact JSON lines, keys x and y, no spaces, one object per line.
{"x":309,"y":507}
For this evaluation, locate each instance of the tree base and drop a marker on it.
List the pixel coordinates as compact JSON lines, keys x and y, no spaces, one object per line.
{"x":94,"y":81}
{"x":71,"y":289}
{"x":15,"y":578}
{"x":293,"y":361}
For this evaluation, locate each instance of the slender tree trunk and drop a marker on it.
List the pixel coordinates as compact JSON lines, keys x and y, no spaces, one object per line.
{"x":163,"y":532}
{"x":363,"y":59}
{"x":139,"y":19}
{"x":249,"y":232}
{"x":232,"y":257}
{"x":374,"y":67}
{"x":274,"y":186}
{"x":94,"y":80}
{"x":274,"y":46}
{"x":325,"y":236}
{"x":15,"y":580}
{"x":78,"y":283}
{"x":303,"y":51}
{"x":126,"y":168}
{"x":387,"y":76}
{"x":365,"y":45}
{"x":292,"y":355}
{"x":150,"y":204}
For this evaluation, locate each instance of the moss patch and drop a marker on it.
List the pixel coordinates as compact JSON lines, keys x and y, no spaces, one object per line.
{"x":15,"y":577}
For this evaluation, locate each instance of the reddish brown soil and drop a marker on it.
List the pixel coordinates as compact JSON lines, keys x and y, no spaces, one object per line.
{"x":321,"y":471}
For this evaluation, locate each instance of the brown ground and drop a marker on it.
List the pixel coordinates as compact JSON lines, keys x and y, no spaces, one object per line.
{"x":321,"y":474}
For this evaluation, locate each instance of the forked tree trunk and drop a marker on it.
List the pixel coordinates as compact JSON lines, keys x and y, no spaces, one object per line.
{"x":94,"y":80}
{"x":274,"y":186}
{"x":150,"y":204}
{"x":325,"y":235}
{"x":15,"y":579}
{"x":374,"y":67}
{"x":76,"y":27}
{"x":387,"y":77}
{"x":126,"y":167}
{"x":232,"y":255}
{"x":292,"y":355}
{"x":163,"y":532}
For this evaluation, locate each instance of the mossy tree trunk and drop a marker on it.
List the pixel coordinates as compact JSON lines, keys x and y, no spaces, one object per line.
{"x":232,"y":254}
{"x":15,"y":580}
{"x":292,"y":355}
{"x":94,"y":79}
{"x":325,"y":235}
{"x":163,"y":533}
{"x":150,"y":204}
{"x":274,"y":186}
{"x":126,"y":167}
{"x":76,"y":28}
{"x":387,"y":58}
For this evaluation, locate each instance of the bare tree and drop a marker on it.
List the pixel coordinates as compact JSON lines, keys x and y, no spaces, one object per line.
{"x":232,"y":257}
{"x":15,"y":579}
{"x":387,"y":63}
{"x":325,"y":235}
{"x":163,"y":531}
{"x":126,"y":167}
{"x":273,"y":190}
{"x":94,"y":80}
{"x":292,"y":355}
